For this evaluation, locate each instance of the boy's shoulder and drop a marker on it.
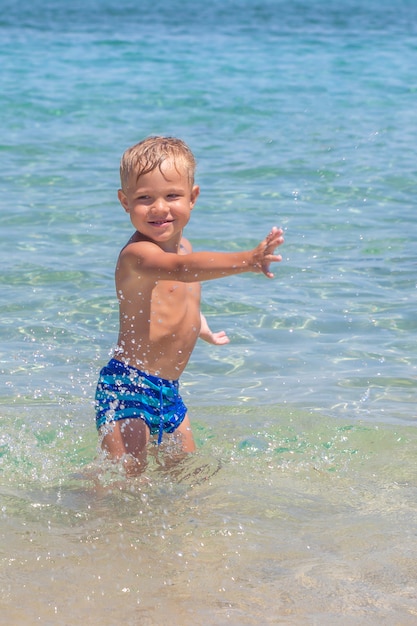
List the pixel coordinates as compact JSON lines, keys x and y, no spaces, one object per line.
{"x":153,"y":261}
{"x":138,"y":242}
{"x":137,"y":249}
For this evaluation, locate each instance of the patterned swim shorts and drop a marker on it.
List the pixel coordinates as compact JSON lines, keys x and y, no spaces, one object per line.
{"x":124,"y":392}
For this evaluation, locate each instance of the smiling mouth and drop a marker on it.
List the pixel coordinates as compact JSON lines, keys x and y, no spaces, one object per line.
{"x":160,"y":222}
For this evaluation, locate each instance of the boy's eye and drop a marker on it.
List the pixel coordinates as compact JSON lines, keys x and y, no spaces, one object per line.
{"x":173,"y":196}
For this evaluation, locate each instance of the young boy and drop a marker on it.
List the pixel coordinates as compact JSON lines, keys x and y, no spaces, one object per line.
{"x":158,"y":286}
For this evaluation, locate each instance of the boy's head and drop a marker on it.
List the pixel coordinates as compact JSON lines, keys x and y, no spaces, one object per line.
{"x":150,"y":153}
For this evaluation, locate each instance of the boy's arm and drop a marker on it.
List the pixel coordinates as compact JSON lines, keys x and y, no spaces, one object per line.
{"x":218,"y":339}
{"x":201,"y":266}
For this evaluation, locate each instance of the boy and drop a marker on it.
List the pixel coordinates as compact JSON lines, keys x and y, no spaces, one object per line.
{"x":158,"y":286}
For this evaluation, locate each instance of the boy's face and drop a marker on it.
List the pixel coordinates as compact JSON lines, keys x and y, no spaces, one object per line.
{"x":159,"y":203}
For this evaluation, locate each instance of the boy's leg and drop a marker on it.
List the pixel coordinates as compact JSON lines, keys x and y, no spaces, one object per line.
{"x":127,"y":437}
{"x":187,"y":439}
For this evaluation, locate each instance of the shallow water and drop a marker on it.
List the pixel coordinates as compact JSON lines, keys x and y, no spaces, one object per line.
{"x":288,"y":519}
{"x":300,"y":505}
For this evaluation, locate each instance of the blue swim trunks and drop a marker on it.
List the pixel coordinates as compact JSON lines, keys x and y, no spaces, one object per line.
{"x":126,"y":392}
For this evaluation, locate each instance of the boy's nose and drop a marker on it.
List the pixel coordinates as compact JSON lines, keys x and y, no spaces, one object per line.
{"x":160,"y":205}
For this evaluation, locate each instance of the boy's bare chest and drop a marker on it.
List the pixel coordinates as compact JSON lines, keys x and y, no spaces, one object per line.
{"x":170,"y":293}
{"x":174,"y":305}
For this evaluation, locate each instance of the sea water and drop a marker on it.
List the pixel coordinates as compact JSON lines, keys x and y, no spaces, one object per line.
{"x":300,"y":506}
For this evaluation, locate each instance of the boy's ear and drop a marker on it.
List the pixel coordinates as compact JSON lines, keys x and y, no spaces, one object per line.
{"x":195,"y":192}
{"x":123,"y":200}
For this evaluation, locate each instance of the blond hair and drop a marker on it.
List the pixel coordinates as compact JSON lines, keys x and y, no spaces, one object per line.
{"x":150,"y":153}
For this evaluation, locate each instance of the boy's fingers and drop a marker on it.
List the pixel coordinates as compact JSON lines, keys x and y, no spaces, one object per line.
{"x":274,"y":238}
{"x":270,"y":247}
{"x":276,"y":258}
{"x":266,"y":250}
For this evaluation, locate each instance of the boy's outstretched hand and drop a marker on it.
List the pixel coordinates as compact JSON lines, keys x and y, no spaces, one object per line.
{"x":263,"y":253}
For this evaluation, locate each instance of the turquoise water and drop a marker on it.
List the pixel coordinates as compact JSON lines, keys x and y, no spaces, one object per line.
{"x":300,"y":505}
